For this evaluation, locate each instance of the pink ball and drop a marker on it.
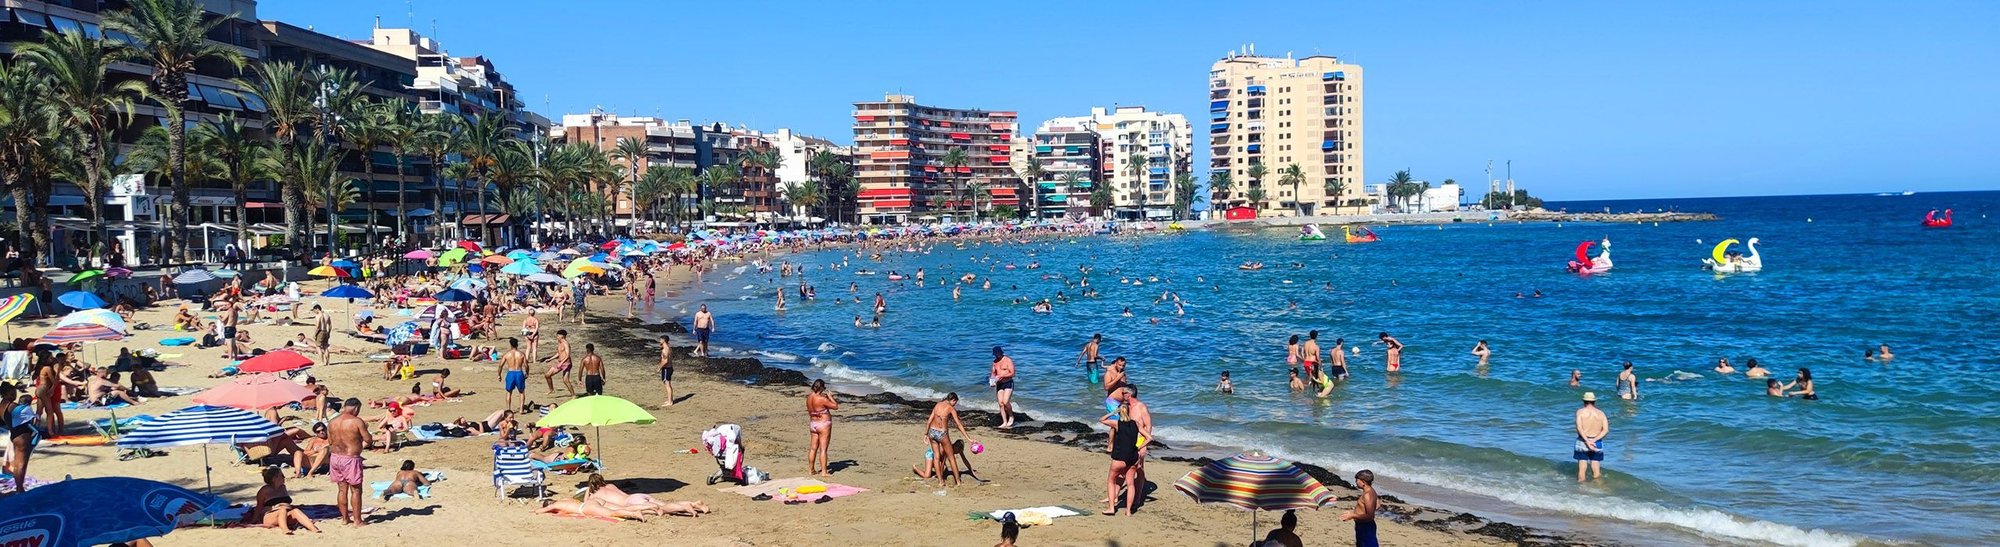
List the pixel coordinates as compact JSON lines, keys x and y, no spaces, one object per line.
{"x":977,"y":448}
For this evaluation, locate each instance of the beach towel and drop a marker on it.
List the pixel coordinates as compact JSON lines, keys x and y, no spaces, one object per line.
{"x":423,"y":492}
{"x":77,"y":405}
{"x":14,"y":365}
{"x":182,"y":341}
{"x":78,"y":440}
{"x":1050,"y":512}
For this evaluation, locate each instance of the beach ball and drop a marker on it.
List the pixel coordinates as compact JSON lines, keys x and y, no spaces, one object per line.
{"x":978,"y":448}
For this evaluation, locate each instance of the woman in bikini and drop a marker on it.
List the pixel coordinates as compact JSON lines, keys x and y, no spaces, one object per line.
{"x":610,"y":496}
{"x":1801,"y":386}
{"x":819,"y":425}
{"x":274,"y":505}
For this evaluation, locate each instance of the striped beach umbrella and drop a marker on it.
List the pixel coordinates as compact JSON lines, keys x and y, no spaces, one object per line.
{"x":80,"y":332}
{"x":254,"y":392}
{"x":202,"y":425}
{"x":1254,"y":482}
{"x":99,"y":316}
{"x":12,"y":306}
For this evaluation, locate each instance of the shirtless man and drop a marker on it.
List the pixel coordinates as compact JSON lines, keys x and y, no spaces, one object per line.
{"x":1089,"y":357}
{"x":1364,"y":510}
{"x":1628,"y":383}
{"x":1591,"y":427}
{"x":514,"y":374}
{"x":346,"y":437}
{"x":1336,"y":362}
{"x":593,"y":371}
{"x":531,"y":329}
{"x":559,"y":364}
{"x":1309,"y":352}
{"x":1394,"y":351}
{"x":667,"y":370}
{"x":1144,"y":418}
{"x":228,"y":312}
{"x":704,"y":325}
{"x":943,"y":415}
{"x":1003,"y":385}
{"x":323,"y":334}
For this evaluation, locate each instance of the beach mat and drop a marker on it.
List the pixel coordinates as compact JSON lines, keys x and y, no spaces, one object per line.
{"x":1050,"y":511}
{"x":771,"y":487}
{"x":78,"y":440}
{"x":73,"y":405}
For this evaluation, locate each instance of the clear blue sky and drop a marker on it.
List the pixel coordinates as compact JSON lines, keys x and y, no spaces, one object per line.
{"x":1591,"y":100}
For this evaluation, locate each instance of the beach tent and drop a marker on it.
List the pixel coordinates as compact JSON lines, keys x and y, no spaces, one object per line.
{"x":101,"y":511}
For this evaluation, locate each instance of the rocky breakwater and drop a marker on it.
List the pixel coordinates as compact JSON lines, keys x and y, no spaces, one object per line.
{"x":1541,"y":215}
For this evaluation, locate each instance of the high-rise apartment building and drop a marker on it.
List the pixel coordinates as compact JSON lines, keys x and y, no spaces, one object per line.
{"x":668,"y":144}
{"x":1162,"y":143}
{"x":1278,"y":112}
{"x":796,"y":168}
{"x":1069,"y":154}
{"x":900,"y":151}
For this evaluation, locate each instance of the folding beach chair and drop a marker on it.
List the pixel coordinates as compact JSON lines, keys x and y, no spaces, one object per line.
{"x":513,"y":467}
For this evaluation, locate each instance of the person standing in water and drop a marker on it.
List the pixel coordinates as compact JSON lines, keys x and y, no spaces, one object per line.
{"x":1393,"y":352}
{"x":1089,"y":356}
{"x":1003,"y":386}
{"x":1364,"y":510}
{"x":1802,"y":386}
{"x":1628,"y":383}
{"x":1336,"y":362}
{"x":1591,"y":428}
{"x":1309,"y":353}
{"x":1482,"y":352}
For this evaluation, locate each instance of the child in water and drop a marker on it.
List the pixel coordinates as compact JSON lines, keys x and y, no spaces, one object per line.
{"x":1223,"y":386}
{"x":1296,"y":384}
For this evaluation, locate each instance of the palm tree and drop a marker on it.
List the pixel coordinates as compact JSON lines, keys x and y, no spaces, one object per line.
{"x":318,"y":165}
{"x":436,"y":136}
{"x":28,"y":128}
{"x":718,"y":178}
{"x":954,"y":159}
{"x":1031,"y":178}
{"x":481,"y":145}
{"x":1135,"y":165}
{"x":1256,"y":196}
{"x":1293,"y":174}
{"x":804,"y":197}
{"x":512,"y":169}
{"x":973,"y":190}
{"x":1257,"y":172}
{"x":682,"y":182}
{"x":823,"y":166}
{"x":239,"y":157}
{"x":647,"y":192}
{"x":171,"y":36}
{"x":1401,"y":186}
{"x":1071,"y":182}
{"x":632,"y":151}
{"x":1100,"y":198}
{"x":458,"y":173}
{"x":86,"y":99}
{"x":287,"y":93}
{"x":366,"y":128}
{"x":1186,"y":191}
{"x":1333,"y":189}
{"x":1219,"y":188}
{"x":397,"y":124}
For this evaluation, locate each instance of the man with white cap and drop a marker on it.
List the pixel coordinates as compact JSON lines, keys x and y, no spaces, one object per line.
{"x":1591,"y":427}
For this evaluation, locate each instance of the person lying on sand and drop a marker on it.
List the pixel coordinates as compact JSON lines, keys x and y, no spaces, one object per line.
{"x":611,"y":496}
{"x":589,"y":508}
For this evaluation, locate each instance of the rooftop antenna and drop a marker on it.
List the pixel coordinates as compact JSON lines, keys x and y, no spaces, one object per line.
{"x":378,"y":21}
{"x":410,"y":10}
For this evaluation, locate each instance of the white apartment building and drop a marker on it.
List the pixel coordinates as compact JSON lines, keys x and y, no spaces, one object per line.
{"x":1163,"y":140}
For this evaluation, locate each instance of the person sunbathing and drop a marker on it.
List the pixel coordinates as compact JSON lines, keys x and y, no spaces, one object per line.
{"x":397,"y":420}
{"x":579,"y":449}
{"x":313,"y":452}
{"x":274,"y":507}
{"x":610,"y":495}
{"x":592,"y":508}
{"x":416,"y":396}
{"x":408,"y":479}
{"x":438,"y":389}
{"x":103,"y":390}
{"x":185,"y":320}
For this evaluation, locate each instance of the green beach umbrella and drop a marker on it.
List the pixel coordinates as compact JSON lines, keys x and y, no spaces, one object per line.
{"x":86,"y":275}
{"x":596,"y":411}
{"x":454,"y":256}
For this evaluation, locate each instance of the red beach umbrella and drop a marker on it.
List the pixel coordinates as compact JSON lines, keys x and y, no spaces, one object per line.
{"x":276,"y":361}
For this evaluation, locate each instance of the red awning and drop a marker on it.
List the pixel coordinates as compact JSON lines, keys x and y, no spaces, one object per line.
{"x":1002,"y":126}
{"x":1002,"y":191}
{"x":965,"y":169}
{"x":477,"y":220}
{"x":259,"y":204}
{"x":961,"y":136}
{"x":998,"y":148}
{"x":1003,"y":114}
{"x":891,"y":203}
{"x":998,"y":159}
{"x":944,"y":124}
{"x":931,"y":168}
{"x":881,"y":192}
{"x":899,"y":142}
{"x":865,"y":118}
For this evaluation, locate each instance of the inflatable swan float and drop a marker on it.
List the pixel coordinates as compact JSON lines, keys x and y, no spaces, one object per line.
{"x":1586,"y":265}
{"x":1364,"y":236}
{"x":1720,"y":262}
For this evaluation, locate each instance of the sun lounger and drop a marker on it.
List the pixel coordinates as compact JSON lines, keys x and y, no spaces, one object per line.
{"x":513,"y":467}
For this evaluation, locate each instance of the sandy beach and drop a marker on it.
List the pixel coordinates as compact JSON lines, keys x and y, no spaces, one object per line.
{"x":875,"y":441}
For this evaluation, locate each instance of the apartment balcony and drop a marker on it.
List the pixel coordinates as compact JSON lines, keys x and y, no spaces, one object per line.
{"x":1218,"y":84}
{"x":1335,"y":76}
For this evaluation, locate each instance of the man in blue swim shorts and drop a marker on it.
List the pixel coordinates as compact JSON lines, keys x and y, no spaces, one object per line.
{"x":704,"y":323}
{"x":1591,"y":428}
{"x":514,"y":374}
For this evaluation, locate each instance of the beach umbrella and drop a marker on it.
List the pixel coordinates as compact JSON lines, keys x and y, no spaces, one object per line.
{"x":600,"y":258}
{"x":546,"y":277}
{"x":81,"y":300}
{"x":419,"y":254}
{"x":468,"y":284}
{"x":1254,"y":482}
{"x":191,"y":277}
{"x":274,"y":361}
{"x":85,"y":275}
{"x":497,"y":260}
{"x":452,"y":256}
{"x":453,"y":295}
{"x":226,"y":273}
{"x":328,"y":271}
{"x":348,"y":291}
{"x":520,"y":254}
{"x":574,"y":272}
{"x":469,"y":245}
{"x":254,"y":392}
{"x":345,"y":264}
{"x":202,"y":425}
{"x":117,"y":273}
{"x":608,"y":245}
{"x":101,"y":511}
{"x":521,"y":267}
{"x":82,"y":332}
{"x":677,"y":246}
{"x":474,"y":268}
{"x":98,"y":316}
{"x":596,"y":411}
{"x":570,"y":252}
{"x":13,"y":306}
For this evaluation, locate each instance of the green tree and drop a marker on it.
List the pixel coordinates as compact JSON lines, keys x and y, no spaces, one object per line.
{"x":1031,"y":178}
{"x":1401,"y":187}
{"x":366,"y":128}
{"x":85,"y":99}
{"x":398,"y":121}
{"x":1257,"y":172}
{"x":436,"y":137}
{"x":652,"y":187}
{"x":1219,"y":188}
{"x":719,"y":179}
{"x":459,"y":173}
{"x":240,"y":157}
{"x":171,"y":36}
{"x":482,"y":139}
{"x":1100,"y":199}
{"x":954,"y":159}
{"x":1135,"y":165}
{"x":632,"y":152}
{"x":1334,"y":189}
{"x":318,"y":162}
{"x":512,"y":169}
{"x":1256,"y":196}
{"x":803,"y":197}
{"x":1187,"y":192}
{"x":287,"y":93}
{"x":28,"y":130}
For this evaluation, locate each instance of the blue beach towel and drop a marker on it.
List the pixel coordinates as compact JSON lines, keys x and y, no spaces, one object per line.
{"x":73,"y":405}
{"x":182,"y":341}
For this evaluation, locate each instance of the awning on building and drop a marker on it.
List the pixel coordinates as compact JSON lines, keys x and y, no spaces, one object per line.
{"x":479,"y":220}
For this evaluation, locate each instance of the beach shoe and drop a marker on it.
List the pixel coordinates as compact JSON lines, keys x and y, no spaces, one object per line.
{"x":759,"y":497}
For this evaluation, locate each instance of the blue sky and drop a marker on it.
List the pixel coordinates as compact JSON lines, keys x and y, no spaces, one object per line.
{"x":1591,"y":100}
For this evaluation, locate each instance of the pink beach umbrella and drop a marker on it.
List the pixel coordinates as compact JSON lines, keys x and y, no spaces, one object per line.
{"x":254,"y":392}
{"x":419,"y":254}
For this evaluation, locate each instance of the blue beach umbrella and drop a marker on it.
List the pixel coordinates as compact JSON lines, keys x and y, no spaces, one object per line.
{"x":546,"y":277}
{"x":522,"y":267}
{"x":519,"y":254}
{"x":81,"y":300}
{"x":101,"y":511}
{"x":202,"y":425}
{"x":347,"y":291}
{"x":475,"y":268}
{"x":191,"y":277}
{"x":453,"y":295}
{"x":468,"y":284}
{"x":345,"y":264}
{"x":548,"y":256}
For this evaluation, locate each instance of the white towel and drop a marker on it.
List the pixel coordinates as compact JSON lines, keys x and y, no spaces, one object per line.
{"x":14,"y":365}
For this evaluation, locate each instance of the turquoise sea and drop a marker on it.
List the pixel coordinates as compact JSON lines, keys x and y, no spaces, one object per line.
{"x":1904,"y":451}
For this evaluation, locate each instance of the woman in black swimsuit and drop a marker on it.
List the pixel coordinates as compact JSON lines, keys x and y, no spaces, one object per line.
{"x":1124,"y":459}
{"x":274,"y":505}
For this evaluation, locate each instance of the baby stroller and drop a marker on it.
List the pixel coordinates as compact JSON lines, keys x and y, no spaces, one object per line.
{"x":725,"y":442}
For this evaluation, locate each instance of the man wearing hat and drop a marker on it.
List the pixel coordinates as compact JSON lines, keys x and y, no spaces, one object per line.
{"x":1591,"y":427}
{"x":1003,"y":386}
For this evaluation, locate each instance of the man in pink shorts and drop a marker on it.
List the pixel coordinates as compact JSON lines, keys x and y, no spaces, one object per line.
{"x":347,"y":435}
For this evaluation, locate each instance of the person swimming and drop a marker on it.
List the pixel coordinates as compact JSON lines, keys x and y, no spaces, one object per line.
{"x":1722,"y":366}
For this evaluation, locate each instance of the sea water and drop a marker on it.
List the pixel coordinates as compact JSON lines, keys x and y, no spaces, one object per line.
{"x":1907,"y":450}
